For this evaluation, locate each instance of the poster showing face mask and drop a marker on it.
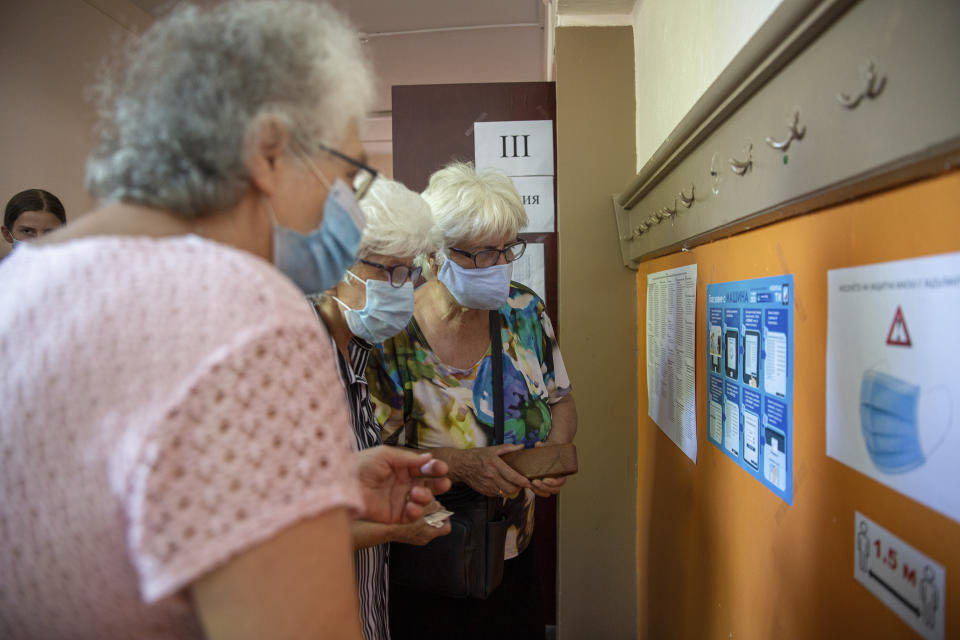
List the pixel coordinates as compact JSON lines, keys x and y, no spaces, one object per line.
{"x":893,"y":393}
{"x":750,"y":377}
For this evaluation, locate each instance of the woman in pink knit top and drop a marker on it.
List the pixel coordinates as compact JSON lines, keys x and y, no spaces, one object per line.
{"x":175,"y":449}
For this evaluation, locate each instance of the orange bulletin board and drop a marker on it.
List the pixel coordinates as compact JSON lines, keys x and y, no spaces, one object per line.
{"x":719,"y":556}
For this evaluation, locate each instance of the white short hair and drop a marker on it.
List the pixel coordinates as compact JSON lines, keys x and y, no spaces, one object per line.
{"x":177,"y":121}
{"x":399,"y":221}
{"x":470,"y":204}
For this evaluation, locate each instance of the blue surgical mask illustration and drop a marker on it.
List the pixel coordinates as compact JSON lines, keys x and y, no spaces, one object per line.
{"x":484,"y":288}
{"x":890,"y":420}
{"x":316,"y":262}
{"x":387,"y":311}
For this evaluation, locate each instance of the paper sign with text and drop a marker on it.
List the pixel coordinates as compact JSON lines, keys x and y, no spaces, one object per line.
{"x":911,"y":585}
{"x":518,"y":148}
{"x":536,"y":193}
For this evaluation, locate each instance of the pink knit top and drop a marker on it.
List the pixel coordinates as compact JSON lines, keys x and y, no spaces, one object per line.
{"x":166,"y":404}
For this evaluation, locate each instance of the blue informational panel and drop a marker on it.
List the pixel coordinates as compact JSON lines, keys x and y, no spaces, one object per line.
{"x":750,"y":377}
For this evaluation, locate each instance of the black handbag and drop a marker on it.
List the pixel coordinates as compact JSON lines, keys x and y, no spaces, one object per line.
{"x":467,"y":562}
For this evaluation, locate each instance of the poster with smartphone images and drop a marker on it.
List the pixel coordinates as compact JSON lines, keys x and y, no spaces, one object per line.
{"x":750,"y":377}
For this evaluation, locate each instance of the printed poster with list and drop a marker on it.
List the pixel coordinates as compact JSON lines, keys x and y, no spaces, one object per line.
{"x":750,"y":377}
{"x":671,"y":355}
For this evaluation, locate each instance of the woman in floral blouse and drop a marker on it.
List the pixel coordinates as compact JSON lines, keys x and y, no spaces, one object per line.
{"x":438,"y":372}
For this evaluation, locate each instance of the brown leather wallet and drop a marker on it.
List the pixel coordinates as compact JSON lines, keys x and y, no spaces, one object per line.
{"x":548,"y":461}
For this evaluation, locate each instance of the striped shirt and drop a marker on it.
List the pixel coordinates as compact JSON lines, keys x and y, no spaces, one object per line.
{"x":371,"y":563}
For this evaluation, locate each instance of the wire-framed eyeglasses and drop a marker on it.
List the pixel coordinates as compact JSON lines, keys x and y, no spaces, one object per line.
{"x":490,"y":257}
{"x":365,"y":173}
{"x":397,"y":274}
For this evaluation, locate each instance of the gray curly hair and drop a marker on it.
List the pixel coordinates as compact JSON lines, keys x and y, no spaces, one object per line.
{"x":176,"y":124}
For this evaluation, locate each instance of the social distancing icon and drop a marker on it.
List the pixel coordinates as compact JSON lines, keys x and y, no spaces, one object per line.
{"x":898,"y":336}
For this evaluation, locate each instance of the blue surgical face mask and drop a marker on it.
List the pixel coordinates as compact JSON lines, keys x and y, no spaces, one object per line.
{"x":484,"y":288}
{"x":317,"y":261}
{"x":888,"y":419}
{"x":386,"y":313}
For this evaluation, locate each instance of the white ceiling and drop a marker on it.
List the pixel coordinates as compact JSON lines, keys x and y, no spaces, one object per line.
{"x":449,"y":41}
{"x":595,"y":7}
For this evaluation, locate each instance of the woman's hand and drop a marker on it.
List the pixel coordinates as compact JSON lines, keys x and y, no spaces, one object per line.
{"x":483,"y":469}
{"x":546,"y":487}
{"x":397,"y":483}
{"x":420,"y":532}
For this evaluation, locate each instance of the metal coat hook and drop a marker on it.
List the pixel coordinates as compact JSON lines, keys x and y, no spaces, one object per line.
{"x":796,"y":133}
{"x":669,"y":211}
{"x":872,"y":87}
{"x":684,"y":200}
{"x":740,"y":167}
{"x":715,"y":177}
{"x":636,"y":233}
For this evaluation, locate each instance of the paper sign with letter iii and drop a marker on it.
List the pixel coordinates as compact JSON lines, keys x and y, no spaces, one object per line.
{"x":518,"y":148}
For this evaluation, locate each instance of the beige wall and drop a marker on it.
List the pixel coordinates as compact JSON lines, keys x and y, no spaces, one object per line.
{"x":50,"y":51}
{"x":382,"y":162}
{"x":597,"y":580}
{"x":681,"y":48}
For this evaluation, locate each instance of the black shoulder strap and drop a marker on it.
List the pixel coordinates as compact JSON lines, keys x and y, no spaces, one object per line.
{"x":496,"y":355}
{"x":411,"y":436}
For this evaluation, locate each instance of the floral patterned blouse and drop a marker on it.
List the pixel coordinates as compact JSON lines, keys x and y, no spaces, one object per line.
{"x":453,"y":407}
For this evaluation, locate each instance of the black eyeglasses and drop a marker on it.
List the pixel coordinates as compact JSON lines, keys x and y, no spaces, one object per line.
{"x":365,"y":174}
{"x":398,"y":274}
{"x":490,"y":257}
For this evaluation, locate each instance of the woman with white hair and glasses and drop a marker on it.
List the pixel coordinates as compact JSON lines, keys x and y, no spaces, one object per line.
{"x":175,"y":449}
{"x":432,"y":386}
{"x":373,"y":303}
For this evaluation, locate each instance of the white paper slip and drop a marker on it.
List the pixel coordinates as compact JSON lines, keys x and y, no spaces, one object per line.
{"x":908,"y":582}
{"x":436,"y":518}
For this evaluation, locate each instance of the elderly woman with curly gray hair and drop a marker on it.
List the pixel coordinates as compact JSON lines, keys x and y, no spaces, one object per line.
{"x":176,"y":457}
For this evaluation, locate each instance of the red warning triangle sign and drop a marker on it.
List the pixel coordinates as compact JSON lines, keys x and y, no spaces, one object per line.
{"x":898,"y":335}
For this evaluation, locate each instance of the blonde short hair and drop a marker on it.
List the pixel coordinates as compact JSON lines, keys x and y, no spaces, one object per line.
{"x":471,"y":204}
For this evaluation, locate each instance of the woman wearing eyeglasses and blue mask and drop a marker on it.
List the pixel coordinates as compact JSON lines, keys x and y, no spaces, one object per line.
{"x":372,"y":303}
{"x":176,"y":456}
{"x":438,"y":373}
